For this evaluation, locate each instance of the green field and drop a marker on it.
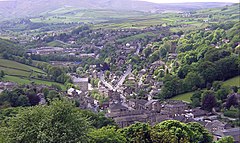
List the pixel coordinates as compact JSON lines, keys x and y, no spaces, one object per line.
{"x":22,"y":81}
{"x":233,"y":81}
{"x":111,"y":19}
{"x":68,"y":15}
{"x":20,"y":73}
{"x":15,"y":68}
{"x":138,"y":36}
{"x":186,"y":96}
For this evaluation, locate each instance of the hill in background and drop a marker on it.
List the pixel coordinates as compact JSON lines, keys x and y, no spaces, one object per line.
{"x":29,"y":8}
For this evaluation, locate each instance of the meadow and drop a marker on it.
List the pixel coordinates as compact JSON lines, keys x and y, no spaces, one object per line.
{"x":23,"y":74}
{"x":22,"y":81}
{"x":187,"y":96}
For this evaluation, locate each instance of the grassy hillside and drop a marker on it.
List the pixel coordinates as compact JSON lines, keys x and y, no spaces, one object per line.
{"x":186,"y":96}
{"x":233,"y":81}
{"x":21,"y":74}
{"x":22,"y":81}
{"x":70,"y":14}
{"x":132,"y":19}
{"x":18,"y":69}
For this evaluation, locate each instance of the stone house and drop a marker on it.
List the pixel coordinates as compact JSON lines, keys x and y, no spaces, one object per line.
{"x":73,"y":92}
{"x":117,"y":108}
{"x":215,"y":126}
{"x":234,"y":132}
{"x":153,"y":105}
{"x":125,"y":121}
{"x":7,"y":85}
{"x":114,"y":96}
{"x":82,"y":83}
{"x":197,"y":114}
{"x":173,"y":107}
{"x":42,"y":99}
{"x":137,"y":104}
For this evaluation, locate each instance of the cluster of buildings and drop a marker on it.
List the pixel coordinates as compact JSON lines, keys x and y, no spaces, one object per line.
{"x":45,"y":51}
{"x":129,"y":111}
{"x":77,"y":52}
{"x":154,"y":112}
{"x":7,"y":86}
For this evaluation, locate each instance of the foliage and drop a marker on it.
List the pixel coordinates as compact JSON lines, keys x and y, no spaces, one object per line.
{"x":200,"y":134}
{"x":2,"y":74}
{"x":193,"y":81}
{"x":222,"y":93}
{"x":172,"y":86}
{"x":98,"y":120}
{"x":196,"y":99}
{"x":137,"y":133}
{"x":17,"y":97}
{"x":173,"y":131}
{"x":107,"y":135}
{"x":59,"y":122}
{"x":208,"y":100}
{"x":227,"y":139}
{"x":232,"y":113}
{"x":231,"y":101}
{"x":52,"y":95}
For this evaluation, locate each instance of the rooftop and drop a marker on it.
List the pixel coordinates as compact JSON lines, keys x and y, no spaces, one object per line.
{"x":117,"y":106}
{"x":76,"y":79}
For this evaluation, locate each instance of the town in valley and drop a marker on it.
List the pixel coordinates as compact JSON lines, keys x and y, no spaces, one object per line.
{"x":104,"y":72}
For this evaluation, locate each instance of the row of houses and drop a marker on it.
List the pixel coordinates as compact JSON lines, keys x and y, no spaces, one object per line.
{"x":154,"y":112}
{"x":77,"y":52}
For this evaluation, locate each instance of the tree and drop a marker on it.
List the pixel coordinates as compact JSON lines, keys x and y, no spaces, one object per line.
{"x":208,"y":71}
{"x":235,"y":89}
{"x":231,"y":101}
{"x":45,"y":92}
{"x":163,"y":52}
{"x":189,"y":58}
{"x":56,"y":86}
{"x":107,"y":134}
{"x":59,"y":122}
{"x":154,"y":56}
{"x":200,"y":134}
{"x":147,"y":51}
{"x":137,"y":133}
{"x":107,"y":73}
{"x":52,"y":95}
{"x":227,"y":67}
{"x":196,"y":99}
{"x":223,"y":93}
{"x":32,"y":97}
{"x":163,"y":137}
{"x":55,"y":72}
{"x":23,"y":101}
{"x":184,"y":70}
{"x":172,"y":86}
{"x":227,"y":139}
{"x":98,"y":120}
{"x":217,"y":85}
{"x":193,"y":81}
{"x":171,"y":131}
{"x":2,"y":74}
{"x":14,"y":98}
{"x":208,"y":100}
{"x":216,"y":54}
